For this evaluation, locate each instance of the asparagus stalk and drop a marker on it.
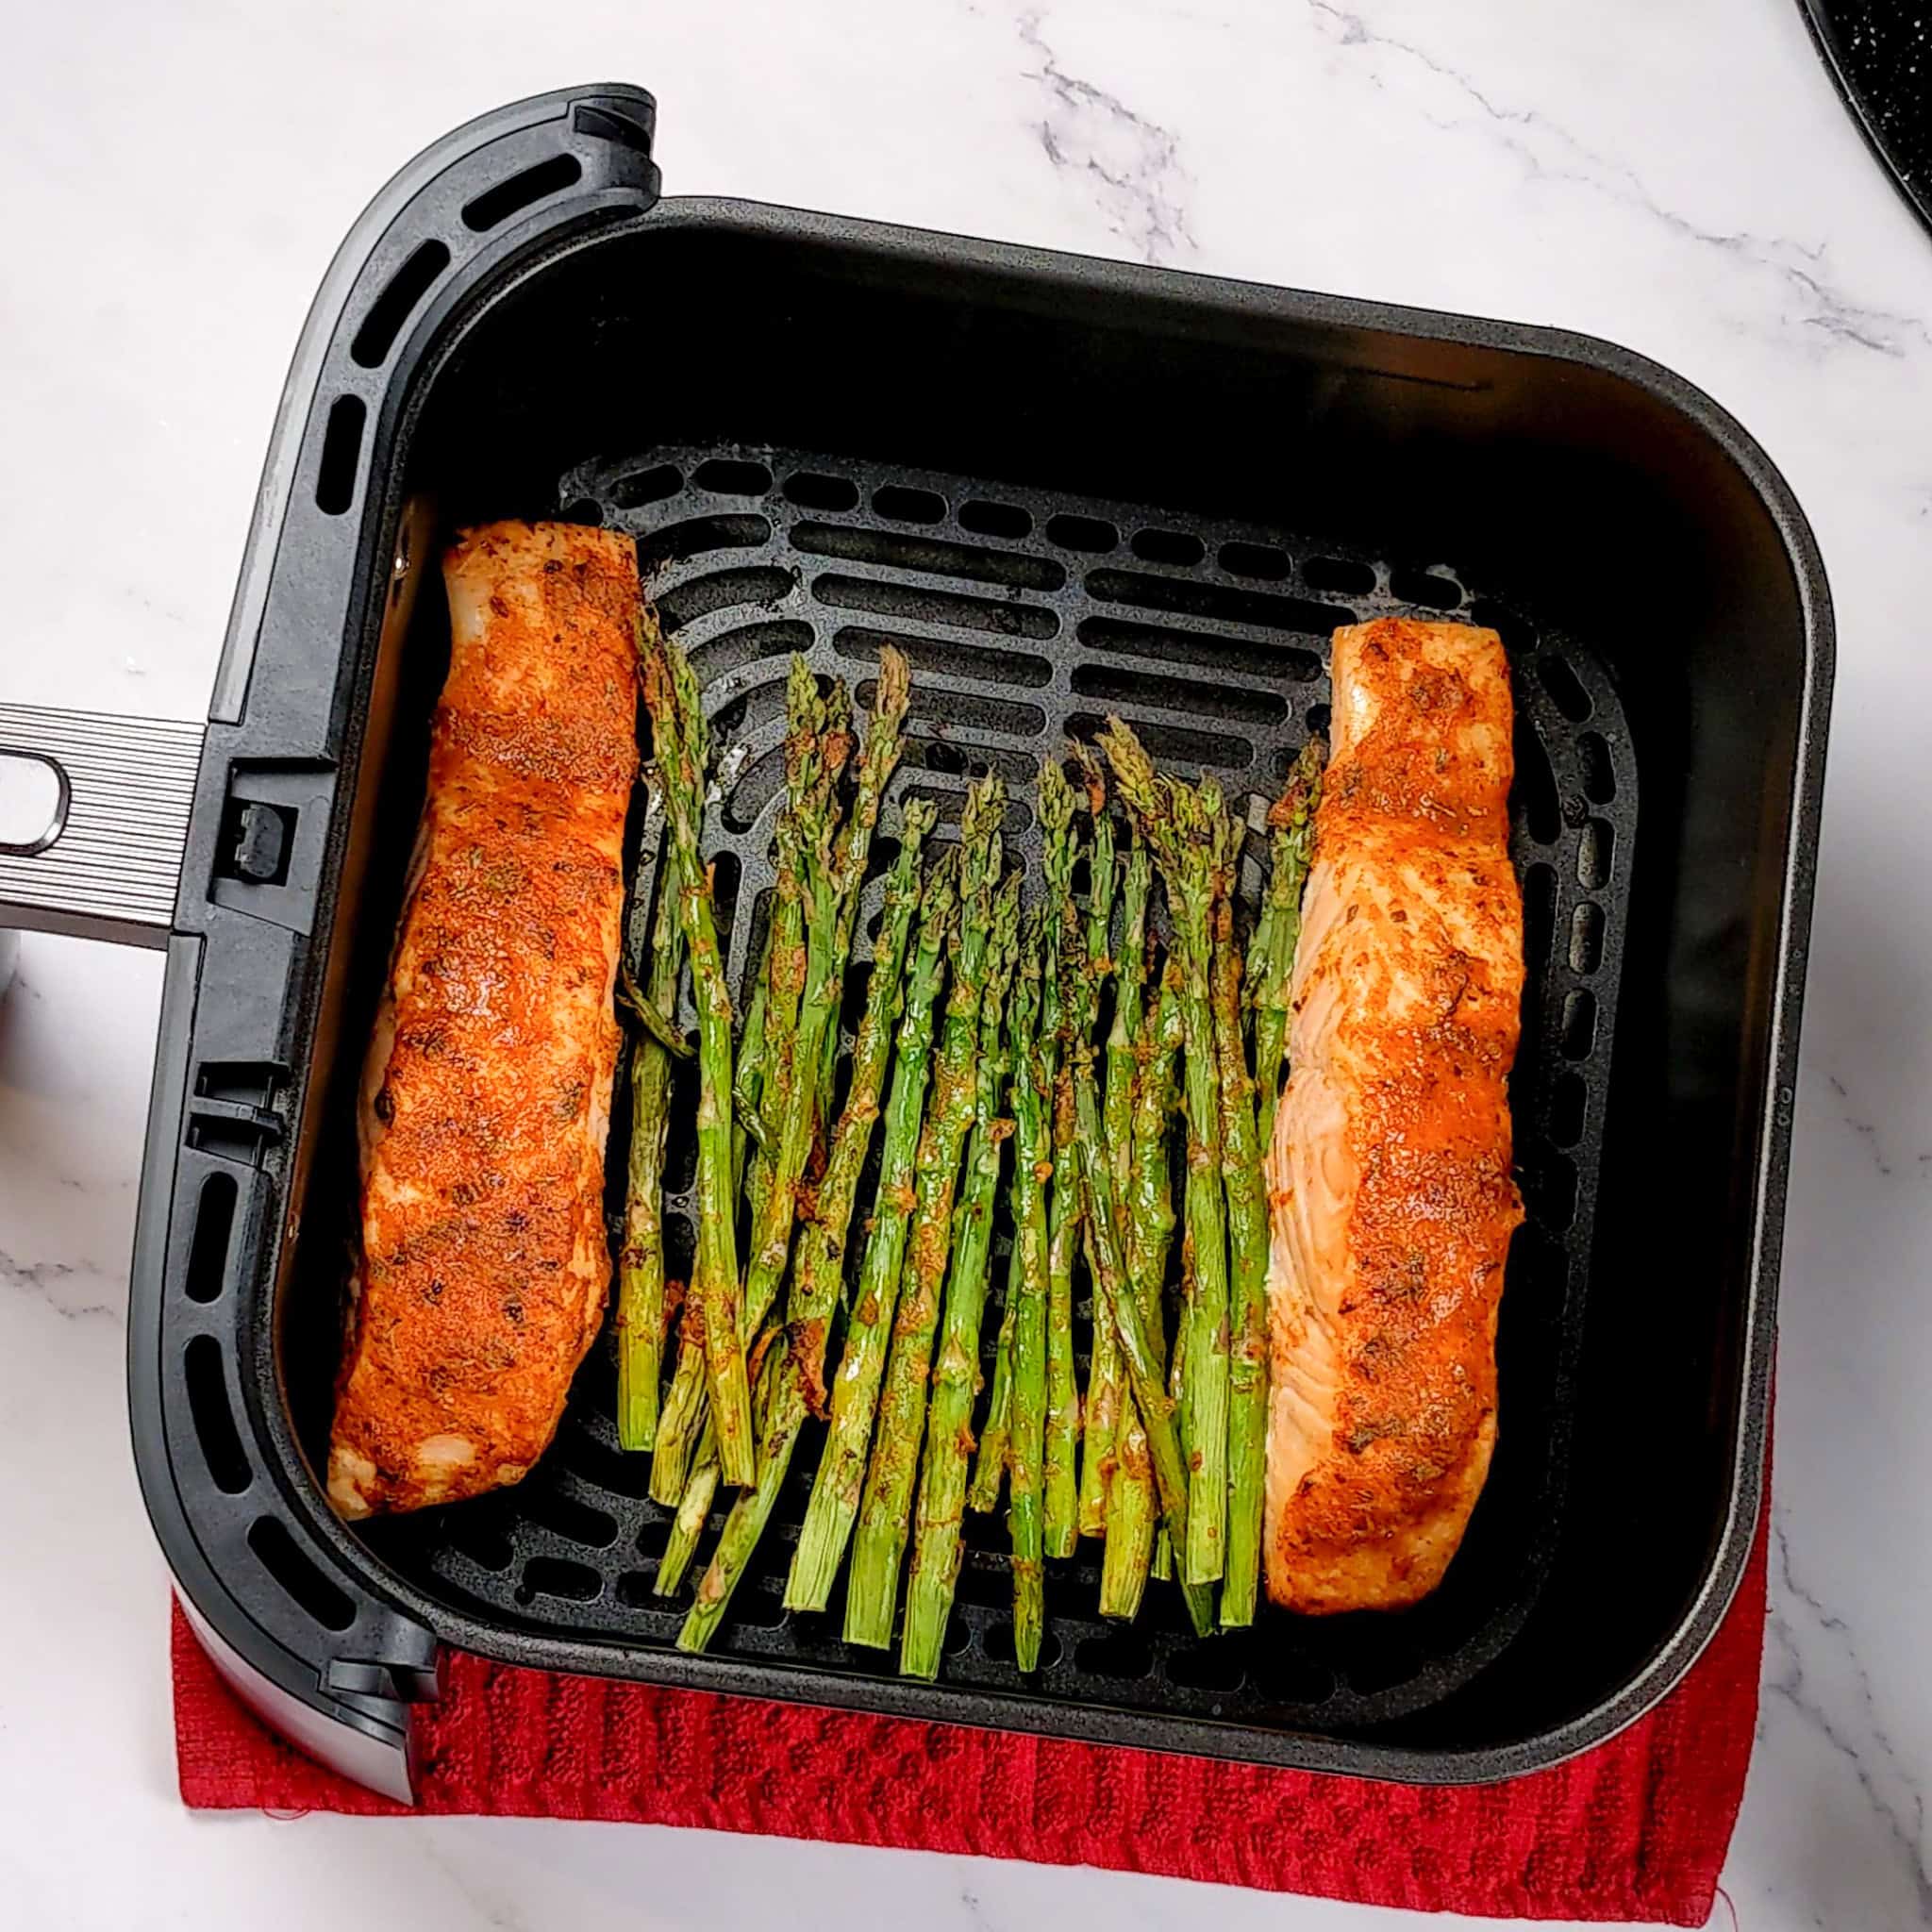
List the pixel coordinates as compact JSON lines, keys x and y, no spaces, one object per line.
{"x":1032,"y":1168}
{"x":1292,"y":821}
{"x":785,"y":965}
{"x":935,"y":1566}
{"x":794,"y":1053}
{"x":765,"y":1051}
{"x":885,"y":1508}
{"x":1140,"y":1354}
{"x":798,"y":1390}
{"x":1133,"y":1514}
{"x":1132,"y":1508}
{"x":640,"y":1315}
{"x":885,"y":746}
{"x":748,"y":1102}
{"x":693,"y":1511}
{"x":1100,"y":1411}
{"x":1182,"y":824}
{"x":1247,"y":1240}
{"x":835,"y":1495}
{"x":682,"y":740}
{"x":1059,"y":1021}
{"x":990,"y":1467}
{"x":1151,"y":1218}
{"x":1123,"y":1040}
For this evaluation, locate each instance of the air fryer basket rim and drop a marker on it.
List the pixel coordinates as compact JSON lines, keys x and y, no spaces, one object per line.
{"x":371,"y":1698}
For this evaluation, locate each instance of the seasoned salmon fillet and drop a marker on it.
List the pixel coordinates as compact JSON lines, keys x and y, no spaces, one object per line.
{"x":486,"y":1097}
{"x":1389,"y":1186}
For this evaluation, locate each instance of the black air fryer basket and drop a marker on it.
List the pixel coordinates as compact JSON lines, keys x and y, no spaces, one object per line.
{"x":1065,"y":488}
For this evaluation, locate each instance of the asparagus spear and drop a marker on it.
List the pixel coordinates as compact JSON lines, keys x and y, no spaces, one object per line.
{"x":805,"y":724}
{"x":1100,"y":1412}
{"x":1247,"y":1238}
{"x":1032,"y":1167}
{"x":1123,"y":1040}
{"x":805,"y":955}
{"x":990,"y":1467}
{"x":765,"y":1048}
{"x":935,"y":1566}
{"x":641,"y":1318}
{"x":1292,"y":821}
{"x":793,"y":1060}
{"x":1133,"y":1514}
{"x":1132,"y":1510}
{"x":693,"y":1511}
{"x":885,"y":746}
{"x":820,"y":1266}
{"x":1182,"y":824}
{"x":682,"y":740}
{"x":748,"y":1101}
{"x":1059,"y":1021}
{"x":1151,"y":1221}
{"x":885,"y":1509}
{"x":835,"y":1495}
{"x":1140,"y":1354}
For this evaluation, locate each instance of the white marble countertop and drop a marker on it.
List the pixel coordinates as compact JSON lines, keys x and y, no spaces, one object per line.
{"x":173,"y":180}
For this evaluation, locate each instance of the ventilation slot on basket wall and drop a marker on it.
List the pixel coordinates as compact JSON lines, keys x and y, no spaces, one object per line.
{"x":341,"y":451}
{"x":214,"y":1420}
{"x":291,"y":1567}
{"x":207,"y":1253}
{"x":496,"y":206}
{"x":393,"y":306}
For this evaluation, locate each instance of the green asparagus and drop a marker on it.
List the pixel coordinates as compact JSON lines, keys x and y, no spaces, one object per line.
{"x":890,"y":696}
{"x":765,"y":1052}
{"x":1150,"y":1225}
{"x":835,"y":1495}
{"x":1140,"y":1354}
{"x":1292,"y":821}
{"x":640,"y":1312}
{"x":885,"y":1509}
{"x":793,"y":1053}
{"x":693,"y":1511}
{"x":819,"y":1265}
{"x":1058,"y":1019}
{"x":1182,"y":824}
{"x":682,"y":740}
{"x":989,"y":1464}
{"x":1100,"y":1411}
{"x":1247,"y":1238}
{"x":1032,"y":1168}
{"x":934,"y":1569}
{"x":1132,"y":1508}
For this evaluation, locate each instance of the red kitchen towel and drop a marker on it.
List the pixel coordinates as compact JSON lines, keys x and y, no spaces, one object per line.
{"x":1636,"y":1829}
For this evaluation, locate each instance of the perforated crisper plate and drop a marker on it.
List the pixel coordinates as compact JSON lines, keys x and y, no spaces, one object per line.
{"x":1027,"y":616}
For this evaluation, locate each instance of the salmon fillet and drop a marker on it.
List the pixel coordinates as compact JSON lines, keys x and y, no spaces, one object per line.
{"x":1390,"y":1186}
{"x":486,"y":1098}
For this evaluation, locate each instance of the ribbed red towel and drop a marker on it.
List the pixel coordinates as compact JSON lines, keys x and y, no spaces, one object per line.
{"x":1635,"y":1830}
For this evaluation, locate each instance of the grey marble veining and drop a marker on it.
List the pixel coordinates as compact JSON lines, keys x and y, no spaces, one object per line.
{"x":1679,"y":179}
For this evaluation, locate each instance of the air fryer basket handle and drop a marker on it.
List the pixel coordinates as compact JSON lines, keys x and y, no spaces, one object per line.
{"x":108,"y":860}
{"x":289,"y":1606}
{"x":453,"y":218}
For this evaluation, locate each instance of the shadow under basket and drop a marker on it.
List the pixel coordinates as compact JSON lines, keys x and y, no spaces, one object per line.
{"x":1064,"y":488}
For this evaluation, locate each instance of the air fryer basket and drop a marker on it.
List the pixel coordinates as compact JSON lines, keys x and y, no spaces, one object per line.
{"x":1066,"y":487}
